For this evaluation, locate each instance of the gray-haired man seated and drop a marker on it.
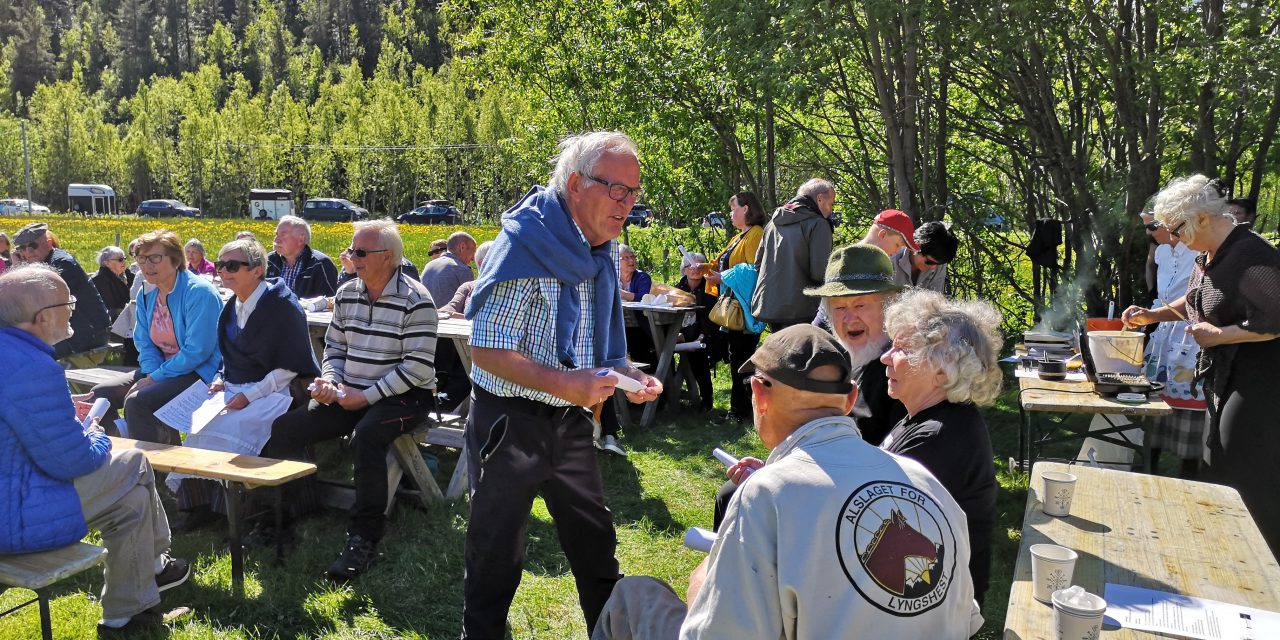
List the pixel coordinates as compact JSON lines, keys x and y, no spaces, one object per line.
{"x":813,"y":545}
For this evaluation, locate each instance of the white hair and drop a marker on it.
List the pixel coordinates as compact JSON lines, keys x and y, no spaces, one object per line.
{"x":254,"y":253}
{"x":1180,"y":204}
{"x":26,"y":289}
{"x":958,"y":337}
{"x":388,"y":236}
{"x":108,"y":253}
{"x":691,"y":259}
{"x":815,"y":187}
{"x":482,"y":251}
{"x":195,"y":243}
{"x":297,"y":224}
{"x":579,"y":154}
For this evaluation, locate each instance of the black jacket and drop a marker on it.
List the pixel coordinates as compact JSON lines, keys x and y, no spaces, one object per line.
{"x":113,"y":289}
{"x":318,"y":277}
{"x":89,"y":321}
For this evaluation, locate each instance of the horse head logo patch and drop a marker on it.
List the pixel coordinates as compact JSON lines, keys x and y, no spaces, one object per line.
{"x":896,"y":547}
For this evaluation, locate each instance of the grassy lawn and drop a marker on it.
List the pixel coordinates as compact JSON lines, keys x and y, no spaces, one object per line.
{"x":665,"y":486}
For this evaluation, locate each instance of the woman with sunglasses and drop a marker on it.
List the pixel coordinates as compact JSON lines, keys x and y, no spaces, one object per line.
{"x":113,"y":280}
{"x":1232,"y":310}
{"x":175,"y":331}
{"x":265,"y":346}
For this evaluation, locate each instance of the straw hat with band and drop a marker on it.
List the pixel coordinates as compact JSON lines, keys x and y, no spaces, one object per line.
{"x":856,"y":270}
{"x":792,"y":355}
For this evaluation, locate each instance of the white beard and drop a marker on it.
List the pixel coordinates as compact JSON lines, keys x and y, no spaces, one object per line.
{"x":861,"y":356}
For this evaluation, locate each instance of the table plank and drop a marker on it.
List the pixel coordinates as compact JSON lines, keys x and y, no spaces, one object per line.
{"x":1171,"y":535}
{"x":248,"y":470}
{"x":1079,"y":397}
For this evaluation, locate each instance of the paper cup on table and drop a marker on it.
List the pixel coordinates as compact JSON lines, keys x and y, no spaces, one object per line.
{"x":1058,"y":490}
{"x":1077,"y":614}
{"x":1051,"y":569}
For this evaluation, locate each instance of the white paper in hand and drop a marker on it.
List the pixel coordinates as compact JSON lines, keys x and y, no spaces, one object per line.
{"x":99,"y":409}
{"x":178,"y":412}
{"x":699,"y":539}
{"x":626,"y":383}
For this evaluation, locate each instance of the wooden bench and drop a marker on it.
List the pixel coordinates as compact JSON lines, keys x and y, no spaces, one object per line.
{"x":240,"y":472}
{"x":82,"y":380}
{"x":39,"y":571}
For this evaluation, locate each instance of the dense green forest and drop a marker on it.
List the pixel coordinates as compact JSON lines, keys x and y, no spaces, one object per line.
{"x":1075,"y":110}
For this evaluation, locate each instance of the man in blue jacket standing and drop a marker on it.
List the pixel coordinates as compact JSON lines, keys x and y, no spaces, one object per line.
{"x":58,"y":478}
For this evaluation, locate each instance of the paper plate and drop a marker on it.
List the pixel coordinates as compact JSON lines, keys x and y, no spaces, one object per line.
{"x":1131,"y":398}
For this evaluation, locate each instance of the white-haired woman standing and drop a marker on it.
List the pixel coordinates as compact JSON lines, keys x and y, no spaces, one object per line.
{"x":1232,"y":309}
{"x":942,"y":365}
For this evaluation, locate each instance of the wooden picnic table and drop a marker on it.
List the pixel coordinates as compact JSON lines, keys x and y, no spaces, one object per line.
{"x":665,"y":323}
{"x":1176,"y":536}
{"x":240,"y":472}
{"x":1044,"y":396}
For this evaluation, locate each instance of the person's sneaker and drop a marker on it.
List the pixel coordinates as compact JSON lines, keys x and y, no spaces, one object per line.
{"x":175,"y":572}
{"x":359,"y":555}
{"x":143,"y":622}
{"x":610,"y":444}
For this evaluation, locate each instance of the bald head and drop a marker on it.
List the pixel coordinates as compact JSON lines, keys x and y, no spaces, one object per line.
{"x":26,"y":289}
{"x":461,"y":244}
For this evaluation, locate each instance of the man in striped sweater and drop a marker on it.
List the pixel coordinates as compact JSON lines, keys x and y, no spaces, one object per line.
{"x":379,"y":366}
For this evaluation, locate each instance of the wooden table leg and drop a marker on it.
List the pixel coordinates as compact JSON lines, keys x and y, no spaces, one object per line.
{"x":664,"y":338}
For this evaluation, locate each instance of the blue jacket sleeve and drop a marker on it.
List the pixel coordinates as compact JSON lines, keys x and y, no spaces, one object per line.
{"x":200,"y":310}
{"x":643,"y":284}
{"x":53,"y":438}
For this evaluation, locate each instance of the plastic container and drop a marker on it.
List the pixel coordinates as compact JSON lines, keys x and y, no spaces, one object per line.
{"x":1116,"y":351}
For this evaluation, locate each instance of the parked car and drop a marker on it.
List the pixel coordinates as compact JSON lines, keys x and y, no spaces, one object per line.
{"x":21,"y":205}
{"x":639,"y":216}
{"x":166,"y":208}
{"x":432,"y":212}
{"x":333,"y":210}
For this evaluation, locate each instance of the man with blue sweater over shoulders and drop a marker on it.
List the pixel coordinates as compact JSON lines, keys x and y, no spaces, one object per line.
{"x":547,"y":323}
{"x":58,"y":479}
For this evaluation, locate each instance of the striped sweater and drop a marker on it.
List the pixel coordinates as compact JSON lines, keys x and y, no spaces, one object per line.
{"x":387,"y":347}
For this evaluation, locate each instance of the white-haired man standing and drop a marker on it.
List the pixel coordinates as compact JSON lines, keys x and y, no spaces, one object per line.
{"x":378,"y":369}
{"x":307,"y":272}
{"x":547,"y":323}
{"x":793,"y":256}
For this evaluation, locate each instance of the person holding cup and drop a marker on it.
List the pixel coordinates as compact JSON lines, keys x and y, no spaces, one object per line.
{"x":1232,"y":310}
{"x":941,"y":366}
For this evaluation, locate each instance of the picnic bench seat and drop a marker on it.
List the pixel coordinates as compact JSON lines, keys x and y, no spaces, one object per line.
{"x":240,"y":472}
{"x":38,"y":571}
{"x":82,"y":380}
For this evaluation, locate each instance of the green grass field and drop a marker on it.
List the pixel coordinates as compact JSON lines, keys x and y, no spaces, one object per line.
{"x":666,"y":485}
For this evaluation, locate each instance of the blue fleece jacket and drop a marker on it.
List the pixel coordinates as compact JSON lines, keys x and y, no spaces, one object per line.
{"x":194,"y":306}
{"x":42,"y":449}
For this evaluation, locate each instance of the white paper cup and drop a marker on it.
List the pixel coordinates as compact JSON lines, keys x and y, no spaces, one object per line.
{"x":1051,"y":569}
{"x":1055,"y":499}
{"x":1074,"y":622}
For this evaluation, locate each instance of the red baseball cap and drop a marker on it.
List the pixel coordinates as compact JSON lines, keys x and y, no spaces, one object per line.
{"x":901,"y":222}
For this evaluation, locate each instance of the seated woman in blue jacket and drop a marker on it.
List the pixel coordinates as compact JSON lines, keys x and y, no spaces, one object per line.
{"x":262,"y":335}
{"x":176,"y":333}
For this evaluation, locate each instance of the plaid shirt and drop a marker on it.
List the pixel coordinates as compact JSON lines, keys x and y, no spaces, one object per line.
{"x":289,"y":273}
{"x":387,"y":347}
{"x":520,"y":315}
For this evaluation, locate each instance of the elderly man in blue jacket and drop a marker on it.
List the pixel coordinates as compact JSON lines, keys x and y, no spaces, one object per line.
{"x":58,"y":479}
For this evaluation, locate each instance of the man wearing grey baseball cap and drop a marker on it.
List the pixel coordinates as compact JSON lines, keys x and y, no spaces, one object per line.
{"x":89,"y":319}
{"x":814,"y":542}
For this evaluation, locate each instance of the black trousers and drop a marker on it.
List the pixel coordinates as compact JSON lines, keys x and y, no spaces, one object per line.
{"x":375,"y":428}
{"x":518,"y":449}
{"x":742,"y":345}
{"x":452,"y":380}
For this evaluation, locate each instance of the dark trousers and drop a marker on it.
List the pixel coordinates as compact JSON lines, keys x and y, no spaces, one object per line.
{"x":518,"y":449}
{"x":742,"y":346}
{"x":375,"y":428}
{"x":140,"y":408}
{"x":453,"y":385}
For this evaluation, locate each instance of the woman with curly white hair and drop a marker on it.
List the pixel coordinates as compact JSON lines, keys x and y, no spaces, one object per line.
{"x":942,"y":365}
{"x":1232,"y":310}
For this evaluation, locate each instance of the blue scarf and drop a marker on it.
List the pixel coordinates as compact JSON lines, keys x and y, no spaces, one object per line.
{"x":540,"y":240}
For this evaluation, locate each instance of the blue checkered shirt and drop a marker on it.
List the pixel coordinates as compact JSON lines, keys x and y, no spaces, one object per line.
{"x":520,"y":315}
{"x":290,"y":273}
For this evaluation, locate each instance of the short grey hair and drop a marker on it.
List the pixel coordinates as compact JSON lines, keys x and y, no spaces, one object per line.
{"x":254,"y":253}
{"x":388,"y":236}
{"x":109,"y":253}
{"x":958,"y":337}
{"x":297,"y":224}
{"x":579,"y":154}
{"x":625,"y":248}
{"x":691,"y":259}
{"x":195,"y":243}
{"x":1181,"y":202}
{"x":482,"y":251}
{"x":26,"y":289}
{"x":815,"y":187}
{"x":458,"y":239}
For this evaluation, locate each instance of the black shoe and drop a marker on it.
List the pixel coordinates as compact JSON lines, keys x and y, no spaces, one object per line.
{"x":359,"y":555}
{"x":188,"y":521}
{"x":144,"y":622}
{"x":176,"y":571}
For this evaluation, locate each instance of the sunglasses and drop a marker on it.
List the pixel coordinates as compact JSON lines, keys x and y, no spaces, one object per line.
{"x":1177,"y":231}
{"x":436,"y":252}
{"x":364,"y":253}
{"x":231,"y":266}
{"x":755,"y":376}
{"x":1152,"y":226}
{"x":155,"y":258}
{"x":929,"y":261}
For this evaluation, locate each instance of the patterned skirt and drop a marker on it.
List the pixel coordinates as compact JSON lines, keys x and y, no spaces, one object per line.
{"x":1181,"y":433}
